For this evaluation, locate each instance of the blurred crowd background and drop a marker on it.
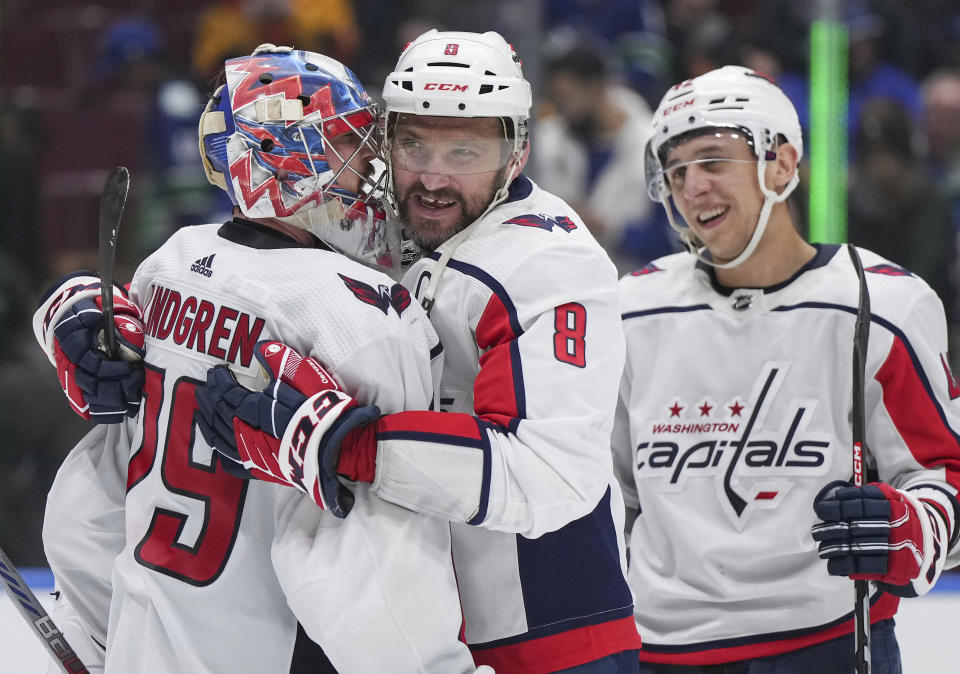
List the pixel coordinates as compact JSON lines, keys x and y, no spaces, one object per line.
{"x":86,"y":85}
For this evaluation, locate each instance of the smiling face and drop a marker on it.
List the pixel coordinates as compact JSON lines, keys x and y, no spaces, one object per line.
{"x":713,"y":181}
{"x":446,"y":171}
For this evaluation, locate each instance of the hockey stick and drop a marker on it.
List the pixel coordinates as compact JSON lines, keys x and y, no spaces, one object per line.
{"x":861,"y":335}
{"x":33,"y":612}
{"x":112,"y":201}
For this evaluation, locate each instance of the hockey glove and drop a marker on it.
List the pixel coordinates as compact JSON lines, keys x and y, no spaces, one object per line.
{"x":879,"y":533}
{"x":69,"y":326}
{"x":290,"y":432}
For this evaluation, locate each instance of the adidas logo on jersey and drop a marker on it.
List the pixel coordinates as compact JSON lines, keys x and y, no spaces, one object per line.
{"x":204,"y":265}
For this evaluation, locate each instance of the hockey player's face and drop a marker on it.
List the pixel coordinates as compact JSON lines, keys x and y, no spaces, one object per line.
{"x":445,"y":171}
{"x":349,"y":148}
{"x":713,"y":182}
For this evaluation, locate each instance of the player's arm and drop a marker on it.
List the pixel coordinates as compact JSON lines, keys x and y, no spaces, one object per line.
{"x":535,"y":454}
{"x":902,"y":531}
{"x":83,"y":525}
{"x":68,"y":325}
{"x":623,"y":455}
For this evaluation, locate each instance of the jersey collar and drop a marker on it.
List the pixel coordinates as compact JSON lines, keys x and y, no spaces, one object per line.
{"x":825,"y":253}
{"x":520,"y":188}
{"x":254,"y":235}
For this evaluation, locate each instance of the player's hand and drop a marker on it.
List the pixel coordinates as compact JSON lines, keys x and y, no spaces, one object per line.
{"x":291,"y":431}
{"x":69,"y":325}
{"x":879,"y":533}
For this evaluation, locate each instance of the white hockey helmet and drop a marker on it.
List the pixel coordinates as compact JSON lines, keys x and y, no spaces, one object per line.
{"x":461,"y":74}
{"x":733,"y":98}
{"x":265,"y":138}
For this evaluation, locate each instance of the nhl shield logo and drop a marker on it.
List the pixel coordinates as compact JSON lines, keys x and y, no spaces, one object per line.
{"x":742,"y":302}
{"x":451,"y":49}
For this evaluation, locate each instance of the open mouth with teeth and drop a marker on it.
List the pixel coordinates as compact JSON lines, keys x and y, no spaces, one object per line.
{"x":434,"y":204}
{"x":711,"y":216}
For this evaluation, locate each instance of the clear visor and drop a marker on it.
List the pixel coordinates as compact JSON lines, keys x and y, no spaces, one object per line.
{"x":447,"y":150}
{"x":714,"y":153}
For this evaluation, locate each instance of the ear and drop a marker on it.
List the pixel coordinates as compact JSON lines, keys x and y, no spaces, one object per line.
{"x":781,"y":170}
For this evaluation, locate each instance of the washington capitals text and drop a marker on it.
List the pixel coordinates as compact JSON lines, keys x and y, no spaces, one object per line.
{"x":739,"y":451}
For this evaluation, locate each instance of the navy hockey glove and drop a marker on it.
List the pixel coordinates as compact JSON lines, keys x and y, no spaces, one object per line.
{"x":880,"y":533}
{"x":69,"y":326}
{"x":291,"y":431}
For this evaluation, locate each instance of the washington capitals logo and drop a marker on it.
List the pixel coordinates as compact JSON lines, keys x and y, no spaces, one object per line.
{"x":889,"y":270}
{"x":753,"y":460}
{"x":649,"y":269}
{"x":546,"y":222}
{"x":380,"y":297}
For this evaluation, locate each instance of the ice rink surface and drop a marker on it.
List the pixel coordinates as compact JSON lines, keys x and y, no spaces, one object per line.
{"x":926,"y":629}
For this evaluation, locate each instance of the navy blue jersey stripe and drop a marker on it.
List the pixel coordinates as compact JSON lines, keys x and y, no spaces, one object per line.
{"x":519,"y":391}
{"x":495,"y":287}
{"x":485,"y":483}
{"x":665,"y":310}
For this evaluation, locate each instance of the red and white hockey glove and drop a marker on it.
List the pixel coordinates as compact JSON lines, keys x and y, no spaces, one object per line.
{"x":69,"y":326}
{"x":879,"y":533}
{"x":291,"y":432}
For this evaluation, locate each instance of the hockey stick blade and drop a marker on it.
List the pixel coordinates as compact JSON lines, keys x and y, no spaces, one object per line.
{"x":33,"y":612}
{"x":112,"y":201}
{"x":861,"y":336}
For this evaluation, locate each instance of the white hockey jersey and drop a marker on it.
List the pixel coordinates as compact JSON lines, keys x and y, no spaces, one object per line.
{"x":735,"y":410}
{"x":216,"y":571}
{"x":528,"y":314}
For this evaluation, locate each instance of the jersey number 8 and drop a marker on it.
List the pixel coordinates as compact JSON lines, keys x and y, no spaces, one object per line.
{"x":570,"y":326}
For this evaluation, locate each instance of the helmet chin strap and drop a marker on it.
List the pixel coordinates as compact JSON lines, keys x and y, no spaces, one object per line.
{"x":770,"y":197}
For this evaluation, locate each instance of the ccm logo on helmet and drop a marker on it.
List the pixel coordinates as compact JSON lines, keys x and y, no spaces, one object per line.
{"x":444,"y":86}
{"x":678,"y":106}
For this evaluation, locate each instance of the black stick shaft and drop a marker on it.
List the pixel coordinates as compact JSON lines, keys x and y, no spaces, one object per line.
{"x":112,"y":201}
{"x":861,"y":335}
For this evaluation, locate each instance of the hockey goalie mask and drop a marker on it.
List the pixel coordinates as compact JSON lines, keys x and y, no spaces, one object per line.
{"x":732,"y":102}
{"x":293,"y":136}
